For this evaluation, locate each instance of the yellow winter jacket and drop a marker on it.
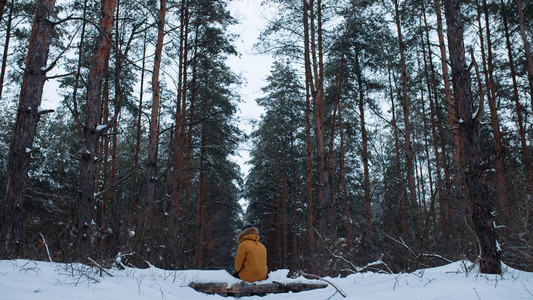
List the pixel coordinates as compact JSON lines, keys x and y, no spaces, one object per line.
{"x":251,"y":258}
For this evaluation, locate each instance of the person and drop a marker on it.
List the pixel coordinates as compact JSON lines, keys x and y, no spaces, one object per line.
{"x":251,"y":258}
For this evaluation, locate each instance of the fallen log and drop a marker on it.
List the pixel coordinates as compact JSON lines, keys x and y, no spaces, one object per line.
{"x":249,"y":289}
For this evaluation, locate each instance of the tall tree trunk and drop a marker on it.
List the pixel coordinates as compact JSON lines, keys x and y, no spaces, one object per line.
{"x":434,"y":111}
{"x":308,"y":87}
{"x":332,"y":139}
{"x":6,"y":44}
{"x":74,"y":109}
{"x":200,"y":219}
{"x":521,"y":130}
{"x":527,"y":49}
{"x":401,"y":189}
{"x":183,"y":115}
{"x":115,"y":219}
{"x":409,"y":151}
{"x":188,"y":157}
{"x":133,"y":201}
{"x":295,"y":220}
{"x":402,"y":193}
{"x":91,"y":133}
{"x":469,"y":128}
{"x":451,"y":108}
{"x":406,"y":116}
{"x":501,"y":174}
{"x":104,"y":148}
{"x":58,"y":181}
{"x":342,"y":179}
{"x":325,"y":210}
{"x":179,"y":137}
{"x":151,"y":165}
{"x":28,"y":114}
{"x":364,"y":154}
{"x":284,"y":215}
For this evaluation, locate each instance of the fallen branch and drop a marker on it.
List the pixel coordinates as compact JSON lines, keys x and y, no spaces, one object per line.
{"x":333,"y":254}
{"x":330,"y":283}
{"x":99,"y":267}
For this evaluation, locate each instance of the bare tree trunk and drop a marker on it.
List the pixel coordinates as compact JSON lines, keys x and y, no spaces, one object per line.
{"x":308,"y":87}
{"x":527,"y":49}
{"x":475,"y":174}
{"x":331,"y":140}
{"x":342,"y":179}
{"x":91,"y":133}
{"x":366,"y":173}
{"x":58,"y":181}
{"x":451,"y":108}
{"x":28,"y":114}
{"x":521,"y":130}
{"x":295,"y":220}
{"x":284,"y":215}
{"x":406,"y":115}
{"x":104,"y":148}
{"x":179,"y":137}
{"x":501,"y":174}
{"x":315,"y":62}
{"x":115,"y":219}
{"x":74,"y":109}
{"x":434,"y":111}
{"x":6,"y":45}
{"x":401,"y":189}
{"x":200,"y":223}
{"x":188,"y":157}
{"x":131,"y":219}
{"x":151,"y":166}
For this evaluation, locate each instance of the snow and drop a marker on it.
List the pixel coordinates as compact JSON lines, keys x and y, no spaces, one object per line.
{"x":25,"y":279}
{"x":101,"y":127}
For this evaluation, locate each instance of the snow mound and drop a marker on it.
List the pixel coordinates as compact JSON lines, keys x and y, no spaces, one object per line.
{"x":25,"y":279}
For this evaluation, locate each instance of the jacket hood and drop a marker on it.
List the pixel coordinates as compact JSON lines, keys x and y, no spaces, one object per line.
{"x":249,"y":230}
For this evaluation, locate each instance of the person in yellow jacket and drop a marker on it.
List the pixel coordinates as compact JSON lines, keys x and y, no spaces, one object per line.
{"x":251,"y":258}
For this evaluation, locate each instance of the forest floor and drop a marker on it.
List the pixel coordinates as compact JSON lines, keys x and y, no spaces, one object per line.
{"x":26,"y":279}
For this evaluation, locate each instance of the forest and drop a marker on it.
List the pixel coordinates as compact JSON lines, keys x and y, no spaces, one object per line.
{"x":396,"y":135}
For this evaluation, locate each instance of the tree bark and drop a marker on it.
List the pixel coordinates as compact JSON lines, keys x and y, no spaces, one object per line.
{"x":406,"y":116}
{"x":527,"y":49}
{"x":521,"y":130}
{"x":366,"y":173}
{"x":6,"y":45}
{"x":342,"y":179}
{"x":501,"y":174}
{"x":325,"y":210}
{"x":451,"y":108}
{"x":434,"y":111}
{"x":133,"y":201}
{"x":179,"y":137}
{"x":28,"y":114}
{"x":200,"y":216}
{"x":401,"y":189}
{"x":91,"y":133}
{"x":469,"y":128}
{"x":151,"y":165}
{"x":308,"y":87}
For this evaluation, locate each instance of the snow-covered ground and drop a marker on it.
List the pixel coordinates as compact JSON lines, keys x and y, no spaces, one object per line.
{"x":24,"y":279}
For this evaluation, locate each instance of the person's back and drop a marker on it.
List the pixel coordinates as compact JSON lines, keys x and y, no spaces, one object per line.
{"x":251,"y":258}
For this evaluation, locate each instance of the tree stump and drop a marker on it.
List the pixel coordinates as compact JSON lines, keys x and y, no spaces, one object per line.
{"x":249,"y":289}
